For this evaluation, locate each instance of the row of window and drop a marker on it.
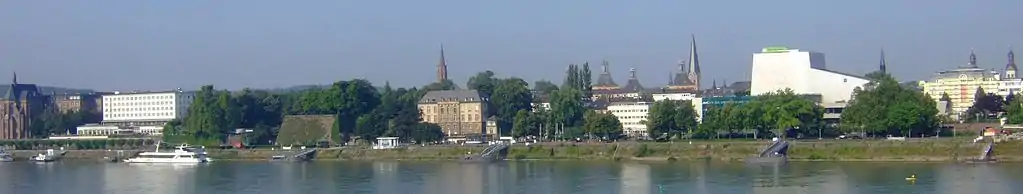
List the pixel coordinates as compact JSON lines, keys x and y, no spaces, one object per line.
{"x":138,"y":109}
{"x":150,"y":114}
{"x":143,"y":103}
{"x":151,"y":97}
{"x":629,"y":110}
{"x":632,"y":117}
{"x":465,"y":118}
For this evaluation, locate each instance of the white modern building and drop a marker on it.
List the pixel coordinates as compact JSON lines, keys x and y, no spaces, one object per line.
{"x":142,"y":113}
{"x":673,"y":96}
{"x":631,"y":115}
{"x":146,"y":106}
{"x":804,"y":72}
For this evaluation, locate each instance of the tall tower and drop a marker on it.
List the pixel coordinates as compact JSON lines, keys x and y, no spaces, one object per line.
{"x":973,"y":60}
{"x":883,"y":64}
{"x":1010,"y":68}
{"x":694,"y":63}
{"x":442,"y":67}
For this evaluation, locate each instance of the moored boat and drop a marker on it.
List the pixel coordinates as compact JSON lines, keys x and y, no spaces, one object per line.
{"x":181,"y":154}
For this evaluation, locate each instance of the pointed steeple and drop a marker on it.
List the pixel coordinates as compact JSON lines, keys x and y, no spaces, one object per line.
{"x":715,"y":85}
{"x":973,"y":60}
{"x":694,"y":63}
{"x":442,"y":66}
{"x":14,"y":80}
{"x":883,"y":65}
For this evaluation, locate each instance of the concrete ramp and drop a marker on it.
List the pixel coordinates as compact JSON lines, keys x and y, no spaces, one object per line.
{"x":986,"y":154}
{"x":776,"y":153}
{"x":495,"y":152}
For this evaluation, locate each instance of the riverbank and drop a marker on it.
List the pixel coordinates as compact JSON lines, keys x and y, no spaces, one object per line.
{"x":849,"y":150}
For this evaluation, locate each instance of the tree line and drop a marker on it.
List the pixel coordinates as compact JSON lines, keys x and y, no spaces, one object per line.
{"x":365,"y":112}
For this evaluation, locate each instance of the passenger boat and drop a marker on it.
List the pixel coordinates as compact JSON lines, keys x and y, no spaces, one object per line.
{"x":181,"y":154}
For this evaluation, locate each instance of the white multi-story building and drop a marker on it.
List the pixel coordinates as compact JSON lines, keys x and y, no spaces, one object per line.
{"x":631,"y":115}
{"x":146,"y":106}
{"x":804,"y":72}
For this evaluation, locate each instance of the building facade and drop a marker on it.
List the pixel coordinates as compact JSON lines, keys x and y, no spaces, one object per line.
{"x":77,"y":102}
{"x":961,"y":84}
{"x":459,"y":113}
{"x":145,"y":108}
{"x":20,"y":105}
{"x":632,"y":115}
{"x":804,"y":72}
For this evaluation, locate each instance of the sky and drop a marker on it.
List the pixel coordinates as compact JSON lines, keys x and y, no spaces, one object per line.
{"x":160,"y":45}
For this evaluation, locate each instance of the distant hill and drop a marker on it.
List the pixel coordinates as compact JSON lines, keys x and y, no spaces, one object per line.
{"x":52,"y":90}
{"x":297,"y":88}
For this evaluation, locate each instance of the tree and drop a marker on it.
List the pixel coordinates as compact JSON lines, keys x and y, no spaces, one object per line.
{"x":671,"y":118}
{"x":484,"y":82}
{"x":586,"y":80}
{"x":887,"y":108}
{"x":526,"y":123}
{"x":206,"y":120}
{"x":426,"y":132}
{"x":567,"y":108}
{"x":984,"y":105}
{"x":572,"y":77}
{"x":544,"y":87}
{"x":442,"y":85}
{"x":1014,"y":111}
{"x":606,"y":126}
{"x":510,"y":96}
{"x":783,"y":110}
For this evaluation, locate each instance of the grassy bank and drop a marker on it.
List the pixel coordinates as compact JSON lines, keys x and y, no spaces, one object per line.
{"x":930,"y":150}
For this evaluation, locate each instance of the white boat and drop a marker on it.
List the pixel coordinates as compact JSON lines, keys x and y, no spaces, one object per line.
{"x":49,"y":156}
{"x":181,"y":154}
{"x":5,"y":157}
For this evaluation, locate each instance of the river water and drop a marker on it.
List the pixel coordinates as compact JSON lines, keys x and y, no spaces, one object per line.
{"x":526,"y":177}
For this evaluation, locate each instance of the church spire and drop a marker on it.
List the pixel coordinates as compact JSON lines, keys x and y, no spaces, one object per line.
{"x":694,"y":63}
{"x":1010,"y":67}
{"x":14,"y":81}
{"x":442,"y":67}
{"x":883,"y":64}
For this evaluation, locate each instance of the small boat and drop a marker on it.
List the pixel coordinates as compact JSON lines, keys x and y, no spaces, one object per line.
{"x":181,"y":154}
{"x":911,"y":177}
{"x":278,"y":158}
{"x":5,"y":157}
{"x":49,"y":156}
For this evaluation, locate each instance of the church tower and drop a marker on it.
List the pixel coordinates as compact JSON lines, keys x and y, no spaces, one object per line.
{"x":694,"y":63}
{"x":1010,"y":68}
{"x":883,"y":65}
{"x":442,"y":67}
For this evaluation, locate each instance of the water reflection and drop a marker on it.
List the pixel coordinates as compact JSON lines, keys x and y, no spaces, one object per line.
{"x":979,"y":178}
{"x":509,"y":177}
{"x":635,"y":178}
{"x":151,"y":178}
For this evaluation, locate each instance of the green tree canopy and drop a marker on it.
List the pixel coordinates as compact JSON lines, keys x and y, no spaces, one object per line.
{"x":885,"y":107}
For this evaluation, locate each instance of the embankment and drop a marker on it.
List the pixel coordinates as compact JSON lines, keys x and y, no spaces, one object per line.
{"x":920,"y":151}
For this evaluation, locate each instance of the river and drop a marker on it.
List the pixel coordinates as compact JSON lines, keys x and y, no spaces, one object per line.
{"x":526,"y":177}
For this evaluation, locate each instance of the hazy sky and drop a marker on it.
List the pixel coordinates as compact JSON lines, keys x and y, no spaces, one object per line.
{"x":156,"y":45}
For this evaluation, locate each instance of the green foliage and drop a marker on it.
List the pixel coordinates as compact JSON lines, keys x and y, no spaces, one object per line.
{"x":579,"y":79}
{"x":567,"y":108}
{"x":484,"y":82}
{"x":602,"y":125}
{"x":53,"y":122}
{"x":887,"y":108}
{"x":984,"y":106}
{"x":443,"y":85}
{"x":510,"y":96}
{"x":768,"y":113}
{"x":1014,"y":111}
{"x":526,"y":123}
{"x":544,"y":86}
{"x":671,"y":118}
